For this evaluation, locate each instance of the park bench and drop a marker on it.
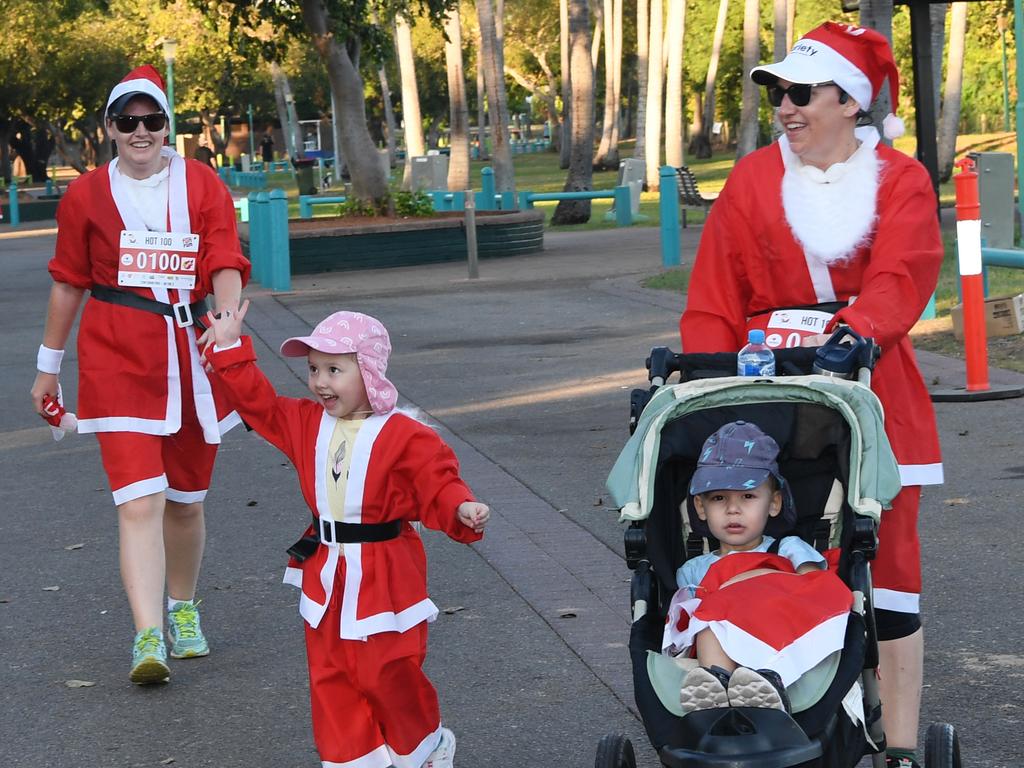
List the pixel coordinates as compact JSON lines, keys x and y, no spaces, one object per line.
{"x":689,"y":195}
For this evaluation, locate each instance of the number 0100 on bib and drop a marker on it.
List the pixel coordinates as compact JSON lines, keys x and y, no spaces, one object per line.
{"x":157,"y":259}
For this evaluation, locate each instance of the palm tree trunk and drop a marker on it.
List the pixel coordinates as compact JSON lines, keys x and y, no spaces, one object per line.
{"x":411,"y":118}
{"x":642,"y":44}
{"x":595,"y":48}
{"x":616,"y":82}
{"x":458,"y":161}
{"x":937,"y":21}
{"x":747,"y":142}
{"x":701,"y":145}
{"x":877,"y":15}
{"x":494,"y":77}
{"x":389,"y":115}
{"x":481,"y":105}
{"x":674,"y":85}
{"x":282,"y":95}
{"x":779,"y":29}
{"x":655,"y":80}
{"x":581,"y":169}
{"x":563,"y":30}
{"x":790,"y":23}
{"x":954,"y":90}
{"x":369,"y":180}
{"x":602,"y":159}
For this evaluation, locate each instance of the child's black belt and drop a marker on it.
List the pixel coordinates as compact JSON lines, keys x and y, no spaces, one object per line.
{"x":182,"y":313}
{"x":333,"y":532}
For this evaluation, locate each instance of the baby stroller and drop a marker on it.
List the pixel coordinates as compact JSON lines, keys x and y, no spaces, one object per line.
{"x":837,"y":460}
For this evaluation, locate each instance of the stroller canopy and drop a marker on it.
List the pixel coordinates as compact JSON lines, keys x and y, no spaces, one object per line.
{"x":874,"y":474}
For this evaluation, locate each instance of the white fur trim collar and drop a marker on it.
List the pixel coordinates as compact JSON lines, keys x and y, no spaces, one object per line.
{"x":832,"y":212}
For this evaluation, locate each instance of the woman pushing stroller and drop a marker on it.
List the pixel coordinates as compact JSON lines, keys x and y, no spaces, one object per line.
{"x":752,"y":626}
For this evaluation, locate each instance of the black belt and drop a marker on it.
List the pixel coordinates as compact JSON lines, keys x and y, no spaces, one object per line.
{"x":333,"y":532}
{"x":182,"y":313}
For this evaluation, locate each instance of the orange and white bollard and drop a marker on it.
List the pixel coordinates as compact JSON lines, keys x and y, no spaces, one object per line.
{"x":972,"y":288}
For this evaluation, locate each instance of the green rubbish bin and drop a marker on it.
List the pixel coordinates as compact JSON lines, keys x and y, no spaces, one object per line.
{"x":304,"y":175}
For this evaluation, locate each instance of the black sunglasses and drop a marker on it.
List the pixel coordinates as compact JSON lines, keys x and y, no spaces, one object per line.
{"x":154,"y":122}
{"x":799,"y":93}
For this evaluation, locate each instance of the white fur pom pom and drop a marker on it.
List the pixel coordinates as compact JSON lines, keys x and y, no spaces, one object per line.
{"x":893,"y":127}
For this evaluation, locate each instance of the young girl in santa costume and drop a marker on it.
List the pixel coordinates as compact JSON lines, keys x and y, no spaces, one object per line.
{"x":367,"y":473}
{"x":759,"y":612}
{"x":150,"y":235}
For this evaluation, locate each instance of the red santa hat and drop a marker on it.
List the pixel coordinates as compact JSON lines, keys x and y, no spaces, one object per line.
{"x":141,"y":81}
{"x":856,"y":59}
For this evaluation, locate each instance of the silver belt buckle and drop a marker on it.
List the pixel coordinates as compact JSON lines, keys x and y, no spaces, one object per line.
{"x":182,"y":314}
{"x":327,"y":535}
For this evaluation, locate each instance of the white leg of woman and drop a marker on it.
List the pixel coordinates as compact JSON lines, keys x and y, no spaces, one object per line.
{"x":184,"y":542}
{"x":140,"y":524}
{"x":901,"y":674}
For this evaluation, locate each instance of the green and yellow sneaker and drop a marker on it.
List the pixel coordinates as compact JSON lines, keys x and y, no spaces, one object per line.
{"x":149,"y":658}
{"x":186,"y":635}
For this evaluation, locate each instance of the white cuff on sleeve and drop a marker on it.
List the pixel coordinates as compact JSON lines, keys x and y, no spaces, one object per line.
{"x":238,"y":343}
{"x":48,"y":360}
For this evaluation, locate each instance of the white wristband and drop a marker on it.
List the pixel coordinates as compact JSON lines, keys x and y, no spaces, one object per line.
{"x":48,"y":360}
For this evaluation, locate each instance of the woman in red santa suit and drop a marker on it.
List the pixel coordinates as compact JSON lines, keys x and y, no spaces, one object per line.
{"x":150,"y":236}
{"x":824,"y":227}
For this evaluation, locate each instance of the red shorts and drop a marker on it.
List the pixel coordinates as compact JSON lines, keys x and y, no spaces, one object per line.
{"x":181,"y":464}
{"x":896,"y":570}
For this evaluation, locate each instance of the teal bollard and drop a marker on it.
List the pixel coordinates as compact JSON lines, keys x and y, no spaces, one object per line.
{"x":486,"y":189}
{"x":668,"y":207}
{"x":12,"y":196}
{"x":258,"y":235}
{"x":929,"y":309}
{"x":508,"y":200}
{"x":623,"y":207}
{"x":305,"y":209}
{"x":279,"y":263}
{"x":525,"y":201}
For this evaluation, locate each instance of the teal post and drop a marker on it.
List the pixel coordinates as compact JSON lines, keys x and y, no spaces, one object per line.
{"x":929,"y":309}
{"x":508,"y":201}
{"x":12,"y":194}
{"x":258,"y":235}
{"x":279,"y":270}
{"x":668,"y":207}
{"x":525,"y":201}
{"x":305,"y":209}
{"x":623,"y":207}
{"x":487,"y":187}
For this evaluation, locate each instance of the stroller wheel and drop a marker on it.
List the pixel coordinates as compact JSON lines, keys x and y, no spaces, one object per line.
{"x":615,"y":751}
{"x":941,"y":747}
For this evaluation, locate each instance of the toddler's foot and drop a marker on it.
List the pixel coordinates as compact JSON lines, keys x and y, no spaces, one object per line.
{"x":704,"y":688}
{"x":444,"y":755}
{"x":761,"y":688}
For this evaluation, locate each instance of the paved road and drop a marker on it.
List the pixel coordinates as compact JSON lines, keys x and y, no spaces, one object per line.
{"x":527,"y":373}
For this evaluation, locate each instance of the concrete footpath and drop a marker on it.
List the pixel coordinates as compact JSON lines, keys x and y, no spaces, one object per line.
{"x":526,"y":372}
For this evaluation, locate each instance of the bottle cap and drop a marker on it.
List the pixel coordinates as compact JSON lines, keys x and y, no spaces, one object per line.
{"x":755,"y":336}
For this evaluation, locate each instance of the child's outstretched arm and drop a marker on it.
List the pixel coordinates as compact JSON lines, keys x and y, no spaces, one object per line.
{"x":232,"y":361}
{"x":474,"y":514}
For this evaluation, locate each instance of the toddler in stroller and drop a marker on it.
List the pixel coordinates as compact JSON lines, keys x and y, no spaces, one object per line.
{"x":751,"y":636}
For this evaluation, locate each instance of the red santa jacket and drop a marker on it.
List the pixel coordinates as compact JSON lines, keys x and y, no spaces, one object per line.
{"x":130,"y":361}
{"x":400,"y":470}
{"x":749,"y":262}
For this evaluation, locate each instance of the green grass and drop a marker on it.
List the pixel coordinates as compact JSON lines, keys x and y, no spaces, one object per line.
{"x":540,"y":173}
{"x":676,"y":280}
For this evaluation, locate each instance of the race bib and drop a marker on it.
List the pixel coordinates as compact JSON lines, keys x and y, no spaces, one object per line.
{"x":786,"y":328}
{"x":157,"y":259}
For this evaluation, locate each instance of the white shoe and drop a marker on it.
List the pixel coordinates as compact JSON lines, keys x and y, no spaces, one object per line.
{"x":443,"y":755}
